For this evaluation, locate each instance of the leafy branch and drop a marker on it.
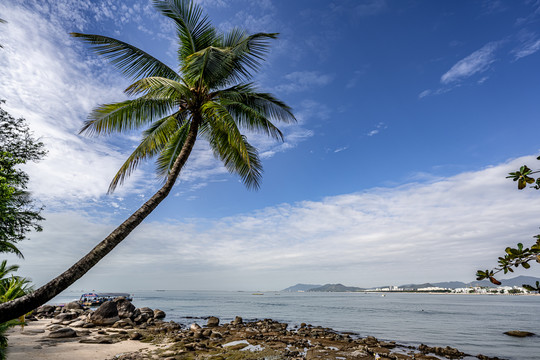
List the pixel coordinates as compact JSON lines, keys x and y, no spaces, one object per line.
{"x":518,"y":256}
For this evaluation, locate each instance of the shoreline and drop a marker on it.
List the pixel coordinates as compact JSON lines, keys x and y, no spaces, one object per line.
{"x":159,"y":339}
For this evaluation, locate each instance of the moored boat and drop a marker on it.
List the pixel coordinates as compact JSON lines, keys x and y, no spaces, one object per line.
{"x":96,"y":299}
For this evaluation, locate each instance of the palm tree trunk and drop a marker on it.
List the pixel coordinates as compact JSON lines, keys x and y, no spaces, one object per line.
{"x":18,"y":307}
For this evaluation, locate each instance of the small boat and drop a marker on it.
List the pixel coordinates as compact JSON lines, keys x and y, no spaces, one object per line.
{"x":96,"y":299}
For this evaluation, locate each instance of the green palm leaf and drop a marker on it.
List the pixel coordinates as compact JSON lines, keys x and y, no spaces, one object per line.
{"x":172,"y":150}
{"x":155,"y":138}
{"x":132,"y":61}
{"x":247,"y":52}
{"x":126,"y":115}
{"x":194,"y":29}
{"x":248,"y":168}
{"x":159,"y":87}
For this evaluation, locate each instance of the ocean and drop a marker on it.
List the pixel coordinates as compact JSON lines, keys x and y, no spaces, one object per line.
{"x":472,"y":323}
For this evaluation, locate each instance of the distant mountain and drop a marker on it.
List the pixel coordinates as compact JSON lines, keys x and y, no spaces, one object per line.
{"x":300,"y":287}
{"x":450,"y":284}
{"x":447,"y":284}
{"x":336,"y":288}
{"x":517,"y":281}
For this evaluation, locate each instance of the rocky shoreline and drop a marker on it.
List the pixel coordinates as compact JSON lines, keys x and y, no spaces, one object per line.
{"x":118,"y":320}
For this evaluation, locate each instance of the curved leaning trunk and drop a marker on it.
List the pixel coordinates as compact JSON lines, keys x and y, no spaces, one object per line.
{"x":18,"y":307}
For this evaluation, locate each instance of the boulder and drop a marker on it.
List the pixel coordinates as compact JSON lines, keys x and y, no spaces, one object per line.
{"x":159,"y":314}
{"x":135,"y":336}
{"x":74,"y":305}
{"x":106,"y":314}
{"x":147,"y":311}
{"x":194,"y":327}
{"x":63,"y":333}
{"x":45,"y":310}
{"x":125,"y":308}
{"x":212,"y":321}
{"x":124,"y":323}
{"x":518,"y":333}
{"x":238,"y":320}
{"x":66,"y":316}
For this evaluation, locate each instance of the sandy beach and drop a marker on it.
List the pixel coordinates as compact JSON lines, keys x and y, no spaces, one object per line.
{"x":33,"y":342}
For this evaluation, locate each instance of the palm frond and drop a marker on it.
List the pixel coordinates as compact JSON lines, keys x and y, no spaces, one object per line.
{"x":126,"y":115}
{"x":210,"y":67}
{"x":247,"y":52}
{"x":219,"y":117}
{"x":132,"y":61}
{"x":170,"y":152}
{"x":9,"y":247}
{"x":255,"y":111}
{"x":232,"y":61}
{"x":230,"y":146}
{"x":249,"y":167}
{"x":154,"y":140}
{"x":5,"y":269}
{"x":159,"y":87}
{"x":195,"y":31}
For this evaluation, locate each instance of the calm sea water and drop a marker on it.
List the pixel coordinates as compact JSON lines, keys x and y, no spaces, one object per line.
{"x":472,"y":323}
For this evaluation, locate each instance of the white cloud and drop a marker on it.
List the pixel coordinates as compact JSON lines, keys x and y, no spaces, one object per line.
{"x":425,"y":93}
{"x":343,"y":148}
{"x":380,"y":126}
{"x":477,"y":62}
{"x":46,"y":81}
{"x":303,"y":80}
{"x":526,"y":49}
{"x":435,"y":231}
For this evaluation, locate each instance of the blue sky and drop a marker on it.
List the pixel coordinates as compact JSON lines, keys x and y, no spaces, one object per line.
{"x":410,"y":114}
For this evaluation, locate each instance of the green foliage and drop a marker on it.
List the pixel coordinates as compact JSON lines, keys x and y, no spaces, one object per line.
{"x":518,"y":256}
{"x":210,"y":94}
{"x":18,"y":212}
{"x":522,"y":176}
{"x":11,"y":287}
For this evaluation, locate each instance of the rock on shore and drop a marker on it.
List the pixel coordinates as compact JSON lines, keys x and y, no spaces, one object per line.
{"x":119,"y":320}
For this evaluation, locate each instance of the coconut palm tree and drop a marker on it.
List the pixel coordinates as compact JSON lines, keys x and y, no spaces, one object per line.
{"x":209,"y":98}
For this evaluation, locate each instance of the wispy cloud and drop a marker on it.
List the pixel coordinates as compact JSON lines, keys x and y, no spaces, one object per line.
{"x":46,"y":81}
{"x":451,"y":226}
{"x":343,"y":148}
{"x":304,"y":80}
{"x":369,"y":7}
{"x":477,"y":62}
{"x":527,"y":48}
{"x":378,"y":128}
{"x":357,"y":74}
